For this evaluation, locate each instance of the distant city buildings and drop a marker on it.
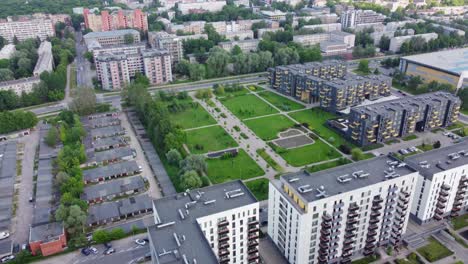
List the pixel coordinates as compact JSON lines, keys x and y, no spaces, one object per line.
{"x":186,"y":7}
{"x":117,"y":64}
{"x":332,"y":215}
{"x":383,"y":121}
{"x":341,"y":37}
{"x":352,"y":17}
{"x":248,"y":45}
{"x":95,"y":40}
{"x":396,"y":42}
{"x":113,"y":20}
{"x":170,"y":42}
{"x":448,"y":66}
{"x":26,"y":27}
{"x":211,"y":225}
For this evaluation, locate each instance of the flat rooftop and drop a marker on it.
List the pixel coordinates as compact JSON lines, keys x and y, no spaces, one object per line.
{"x":438,"y":160}
{"x":315,"y":186}
{"x":108,"y":34}
{"x":454,"y":61}
{"x":192,"y":244}
{"x":46,"y":232}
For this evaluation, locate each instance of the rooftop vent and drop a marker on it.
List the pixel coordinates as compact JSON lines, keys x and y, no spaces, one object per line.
{"x":181,"y":214}
{"x":189,"y":204}
{"x":209,"y":202}
{"x":234,"y":193}
{"x":360,"y":174}
{"x":454,"y":156}
{"x":304,"y":188}
{"x":402,"y":164}
{"x":165,"y":224}
{"x":293,"y":180}
{"x":321,"y":193}
{"x":392,"y":162}
{"x":424,"y":162}
{"x":344,"y":178}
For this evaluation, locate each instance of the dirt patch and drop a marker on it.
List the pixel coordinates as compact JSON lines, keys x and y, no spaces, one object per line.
{"x":289,"y":133}
{"x":294,"y":142}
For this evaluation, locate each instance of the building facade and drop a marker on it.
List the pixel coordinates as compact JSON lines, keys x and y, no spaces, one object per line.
{"x":352,"y":17}
{"x":115,"y":68}
{"x":327,"y":83}
{"x":215,"y":224}
{"x":19,"y":86}
{"x":170,"y":42}
{"x":121,"y":19}
{"x":333,"y":215}
{"x":442,"y":184}
{"x":401,"y":117}
{"x":95,"y":40}
{"x":247,"y":45}
{"x":396,"y":42}
{"x":26,"y":27}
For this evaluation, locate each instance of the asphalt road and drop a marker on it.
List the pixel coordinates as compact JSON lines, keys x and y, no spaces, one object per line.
{"x":83,"y":67}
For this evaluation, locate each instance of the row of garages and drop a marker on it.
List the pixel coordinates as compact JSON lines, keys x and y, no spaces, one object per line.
{"x":7,"y":180}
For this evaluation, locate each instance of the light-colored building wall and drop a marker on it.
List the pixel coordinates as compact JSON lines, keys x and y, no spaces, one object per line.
{"x":26,"y":28}
{"x":108,"y":21}
{"x":245,"y":45}
{"x":45,"y":61}
{"x":396,"y":42}
{"x":19,"y":86}
{"x":211,"y":6}
{"x":240,"y":35}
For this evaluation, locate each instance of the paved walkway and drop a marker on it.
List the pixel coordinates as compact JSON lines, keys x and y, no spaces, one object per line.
{"x":251,"y":144}
{"x":24,"y":211}
{"x":147,"y":173}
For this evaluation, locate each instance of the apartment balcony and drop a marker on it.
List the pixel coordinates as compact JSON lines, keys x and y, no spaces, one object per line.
{"x":438,"y":217}
{"x":223,"y":223}
{"x":376,"y":207}
{"x":442,"y":199}
{"x":325,"y":232}
{"x":376,"y":214}
{"x":456,"y":209}
{"x":439,"y":211}
{"x":445,"y":187}
{"x":351,"y":221}
{"x":345,"y":260}
{"x":325,"y":239}
{"x":353,"y":215}
{"x":374,"y":226}
{"x":223,"y":245}
{"x":223,"y":238}
{"x":350,"y":228}
{"x":404,"y":194}
{"x":252,"y":243}
{"x":458,"y":203}
{"x":377,"y":200}
{"x":443,"y":193}
{"x":252,"y":257}
{"x":253,"y":222}
{"x":368,"y":252}
{"x":223,"y":252}
{"x":370,"y":240}
{"x":223,"y":230}
{"x":374,"y":220}
{"x":253,"y":236}
{"x":252,"y":251}
{"x":348,"y":241}
{"x":372,"y":233}
{"x":224,"y":259}
{"x":440,"y":205}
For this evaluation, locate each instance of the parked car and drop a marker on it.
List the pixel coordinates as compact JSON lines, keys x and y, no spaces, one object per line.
{"x":93,"y":250}
{"x":85,"y":251}
{"x":108,"y":245}
{"x":109,"y":251}
{"x":4,"y":235}
{"x":7,"y":258}
{"x":140,"y":242}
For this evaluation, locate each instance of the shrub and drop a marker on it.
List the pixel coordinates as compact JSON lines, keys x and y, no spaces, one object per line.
{"x":345,"y":149}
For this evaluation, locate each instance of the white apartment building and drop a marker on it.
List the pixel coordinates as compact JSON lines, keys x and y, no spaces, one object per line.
{"x":396,"y":42}
{"x":19,"y":86}
{"x":326,"y":27}
{"x":95,"y":40}
{"x":7,"y":51}
{"x":45,"y":60}
{"x":353,"y":17}
{"x":25,"y":28}
{"x":126,"y":49}
{"x":211,"y":225}
{"x":311,"y":39}
{"x":193,"y":27}
{"x":442,"y":184}
{"x":205,"y":6}
{"x":115,"y":68}
{"x":240,"y":35}
{"x":247,"y":45}
{"x":335,"y":215}
{"x":170,"y":42}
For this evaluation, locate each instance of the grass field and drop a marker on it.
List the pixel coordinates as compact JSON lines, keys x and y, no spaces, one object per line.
{"x":319,"y":151}
{"x":328,"y":165}
{"x":316,"y":119}
{"x":246,"y":106}
{"x":271,"y":162}
{"x":259,"y":188}
{"x":192,"y":116}
{"x":209,"y":139}
{"x":410,"y":137}
{"x":434,"y":250}
{"x":460,"y":222}
{"x":281,"y":102}
{"x":240,"y":167}
{"x":267,"y":128}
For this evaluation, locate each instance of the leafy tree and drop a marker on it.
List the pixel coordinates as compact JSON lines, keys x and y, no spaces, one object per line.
{"x":173,"y":156}
{"x":73,"y":218}
{"x":17,"y":120}
{"x":414,"y":82}
{"x":364,"y":66}
{"x":194,"y":162}
{"x":84,"y":102}
{"x":310,"y":54}
{"x":101,"y":236}
{"x":357,"y":154}
{"x":436,"y":144}
{"x":51,"y":137}
{"x":217,"y":62}
{"x":384,"y":43}
{"x":190,"y":180}
{"x":286,"y":55}
{"x":89,"y":56}
{"x":236,"y":50}
{"x":463,"y":94}
{"x":128,"y":39}
{"x":6,"y":75}
{"x":61,"y":178}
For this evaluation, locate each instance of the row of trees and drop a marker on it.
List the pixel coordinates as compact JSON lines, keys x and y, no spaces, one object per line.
{"x":167,"y":137}
{"x":11,"y":121}
{"x":52,"y":85}
{"x":22,"y":63}
{"x":417,"y":86}
{"x":72,"y":211}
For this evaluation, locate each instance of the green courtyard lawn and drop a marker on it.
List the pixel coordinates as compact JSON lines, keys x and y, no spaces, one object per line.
{"x":460,"y":222}
{"x":316,"y":119}
{"x":246,"y":106}
{"x":319,"y":151}
{"x":241,"y":167}
{"x":209,"y":139}
{"x":281,"y":102}
{"x":267,"y":128}
{"x":434,"y":250}
{"x":328,"y":165}
{"x":410,"y":137}
{"x":192,"y":116}
{"x":259,"y":188}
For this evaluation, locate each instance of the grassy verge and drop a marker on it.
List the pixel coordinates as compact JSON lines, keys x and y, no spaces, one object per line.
{"x":191,"y":115}
{"x":225,"y":169}
{"x":328,"y":165}
{"x":247,"y":106}
{"x":460,"y":240}
{"x":434,"y":250}
{"x":456,"y":125}
{"x":365,"y":260}
{"x":259,"y":188}
{"x":316,"y":152}
{"x":410,"y":137}
{"x":281,"y":102}
{"x":267,"y":128}
{"x":209,"y":139}
{"x":460,"y":222}
{"x":269,"y":160}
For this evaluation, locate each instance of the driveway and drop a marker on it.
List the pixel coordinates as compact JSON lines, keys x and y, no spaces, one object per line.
{"x":153,"y":190}
{"x":270,"y":253}
{"x":24,"y":211}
